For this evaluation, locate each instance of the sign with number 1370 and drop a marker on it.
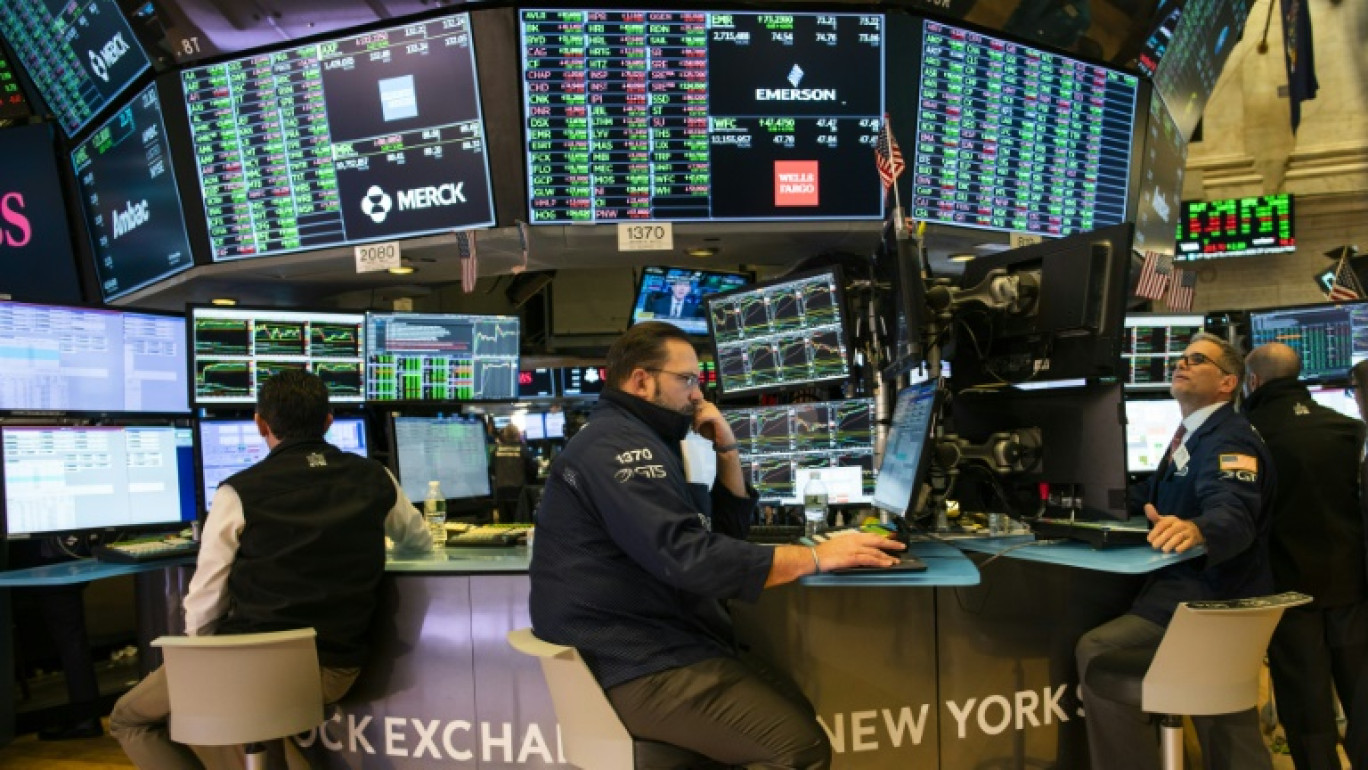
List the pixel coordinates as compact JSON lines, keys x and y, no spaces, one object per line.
{"x":646,"y":236}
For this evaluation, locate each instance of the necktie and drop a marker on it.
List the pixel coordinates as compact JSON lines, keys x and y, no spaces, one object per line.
{"x":674,"y":309}
{"x":1177,"y":440}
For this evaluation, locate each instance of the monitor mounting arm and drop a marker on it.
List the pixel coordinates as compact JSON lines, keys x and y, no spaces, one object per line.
{"x":1011,"y":293}
{"x":1002,"y":453}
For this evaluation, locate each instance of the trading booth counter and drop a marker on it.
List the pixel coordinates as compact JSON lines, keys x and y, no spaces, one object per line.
{"x":945,"y":566}
{"x":1122,"y":560}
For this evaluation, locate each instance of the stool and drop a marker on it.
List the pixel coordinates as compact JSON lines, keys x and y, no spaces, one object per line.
{"x":242,"y":689}
{"x":1207,"y":664}
{"x":593,"y":736}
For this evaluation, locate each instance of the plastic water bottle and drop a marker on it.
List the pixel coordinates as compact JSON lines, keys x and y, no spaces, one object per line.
{"x":814,"y":505}
{"x":434,"y":513}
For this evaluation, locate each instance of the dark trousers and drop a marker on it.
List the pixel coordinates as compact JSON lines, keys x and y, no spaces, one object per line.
{"x":733,"y":712}
{"x":1314,"y":649}
{"x":1122,"y":737}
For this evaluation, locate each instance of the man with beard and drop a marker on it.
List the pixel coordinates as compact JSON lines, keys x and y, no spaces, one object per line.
{"x":633,"y":562}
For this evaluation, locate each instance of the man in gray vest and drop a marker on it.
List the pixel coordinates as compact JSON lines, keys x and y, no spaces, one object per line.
{"x":307,"y":510}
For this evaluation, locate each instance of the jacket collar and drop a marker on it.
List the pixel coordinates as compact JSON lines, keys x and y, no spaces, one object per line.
{"x":290,"y":445}
{"x":669,"y":425}
{"x":1281,"y":389}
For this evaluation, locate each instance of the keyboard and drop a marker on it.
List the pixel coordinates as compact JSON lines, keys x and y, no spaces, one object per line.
{"x":145,"y":550}
{"x":906,"y":563}
{"x":1098,"y":534}
{"x":489,"y":536}
{"x":774,"y":534}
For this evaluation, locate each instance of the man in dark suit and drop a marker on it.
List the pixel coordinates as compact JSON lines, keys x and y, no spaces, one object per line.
{"x":679,"y":303}
{"x":1316,"y":547}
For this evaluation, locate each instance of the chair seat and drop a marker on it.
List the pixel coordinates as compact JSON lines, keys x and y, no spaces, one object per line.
{"x":1119,"y":675}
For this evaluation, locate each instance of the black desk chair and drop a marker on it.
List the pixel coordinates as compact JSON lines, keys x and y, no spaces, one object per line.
{"x":1207,"y":664}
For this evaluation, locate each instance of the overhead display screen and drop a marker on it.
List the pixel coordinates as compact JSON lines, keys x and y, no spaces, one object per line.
{"x":36,"y":258}
{"x":132,"y":205}
{"x":1015,"y":138}
{"x":1204,"y":33}
{"x":1237,"y":227}
{"x":1161,"y":181}
{"x":699,"y":115}
{"x":352,"y":140}
{"x":79,"y":53}
{"x":13,"y":105}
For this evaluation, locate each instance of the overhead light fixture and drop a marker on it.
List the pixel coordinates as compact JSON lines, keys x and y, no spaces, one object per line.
{"x":223,"y":301}
{"x":964,"y":257}
{"x":402,"y":270}
{"x":702,"y":252}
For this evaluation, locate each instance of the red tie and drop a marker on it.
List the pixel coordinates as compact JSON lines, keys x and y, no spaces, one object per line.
{"x":1177,"y":440}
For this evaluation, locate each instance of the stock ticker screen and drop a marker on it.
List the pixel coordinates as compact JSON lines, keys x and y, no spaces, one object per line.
{"x":775,"y":442}
{"x":1152,"y":344}
{"x":131,"y":202}
{"x":1203,"y":34}
{"x":1329,"y":338}
{"x":701,"y":115}
{"x":234,"y":350}
{"x":351,"y":140}
{"x":13,"y":105}
{"x":1011,"y":137}
{"x":1237,"y":227}
{"x":782,"y":333}
{"x":80,"y":54}
{"x":441,"y":357}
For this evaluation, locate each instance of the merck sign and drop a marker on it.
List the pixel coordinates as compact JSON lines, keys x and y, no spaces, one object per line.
{"x":15,"y":229}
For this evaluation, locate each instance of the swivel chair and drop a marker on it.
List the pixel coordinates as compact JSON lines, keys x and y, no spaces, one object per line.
{"x":1207,"y":664}
{"x":594,"y":737}
{"x":242,"y":689}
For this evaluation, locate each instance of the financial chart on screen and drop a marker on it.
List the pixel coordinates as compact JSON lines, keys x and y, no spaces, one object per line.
{"x":235,"y":350}
{"x":441,"y":357}
{"x":1011,"y":137}
{"x":1151,"y":345}
{"x":701,"y":115}
{"x":1329,"y":338}
{"x":778,"y":442}
{"x":349,"y":140}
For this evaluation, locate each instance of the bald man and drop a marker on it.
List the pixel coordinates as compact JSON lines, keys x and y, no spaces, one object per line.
{"x":1316,"y":546}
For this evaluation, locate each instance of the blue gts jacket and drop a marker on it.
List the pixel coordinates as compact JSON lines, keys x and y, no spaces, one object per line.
{"x":631,"y":562}
{"x":1227,"y":489}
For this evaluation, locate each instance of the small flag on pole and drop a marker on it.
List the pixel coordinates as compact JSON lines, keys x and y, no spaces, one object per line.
{"x":1181,"y":290}
{"x":1154,"y":275}
{"x":1345,"y":286}
{"x":470,"y":267}
{"x":1299,"y":57}
{"x":887,"y":156}
{"x":524,"y":238}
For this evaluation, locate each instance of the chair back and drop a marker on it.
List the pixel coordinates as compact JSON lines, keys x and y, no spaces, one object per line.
{"x":242,"y":688}
{"x":591,"y":732}
{"x":1209,"y":660}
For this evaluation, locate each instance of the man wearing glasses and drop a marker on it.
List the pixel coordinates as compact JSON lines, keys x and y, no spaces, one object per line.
{"x":633,"y":562}
{"x":1214,"y":488}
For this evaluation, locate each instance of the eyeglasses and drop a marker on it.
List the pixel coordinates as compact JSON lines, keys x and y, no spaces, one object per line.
{"x":690,"y":380}
{"x":1197,"y":359}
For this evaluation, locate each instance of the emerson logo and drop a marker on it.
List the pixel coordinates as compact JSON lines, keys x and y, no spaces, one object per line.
{"x":377,"y":203}
{"x":107,"y":56}
{"x":795,"y":94}
{"x":133,"y":215}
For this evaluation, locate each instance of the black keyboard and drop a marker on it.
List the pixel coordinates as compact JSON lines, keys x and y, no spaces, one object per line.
{"x":142,"y":551}
{"x":1098,"y":534}
{"x":906,"y":563}
{"x":488,"y":536}
{"x":774,"y":534}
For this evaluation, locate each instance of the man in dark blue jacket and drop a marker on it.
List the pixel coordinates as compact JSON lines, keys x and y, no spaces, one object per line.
{"x":632,"y":565}
{"x":1214,"y":488}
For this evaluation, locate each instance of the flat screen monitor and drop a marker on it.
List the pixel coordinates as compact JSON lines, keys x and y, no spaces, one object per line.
{"x":676,"y":294}
{"x":1338,"y":399}
{"x":1204,"y":33}
{"x":76,"y":359}
{"x":234,"y":350}
{"x":1150,"y":424}
{"x":229,"y":446}
{"x":14,"y":106}
{"x":1073,"y":327}
{"x":1151,"y":344}
{"x":359,"y":138}
{"x":533,"y":426}
{"x":906,"y":456}
{"x":449,"y":450}
{"x":777,"y":442}
{"x":130,"y":199}
{"x":555,"y":424}
{"x":537,"y":383}
{"x":419,"y":357}
{"x":1161,"y":181}
{"x":74,"y":478}
{"x":1237,"y":227}
{"x":579,"y":381}
{"x":692,"y":114}
{"x":1017,"y":138}
{"x":1329,"y":338}
{"x":1160,"y":37}
{"x":780,"y":333}
{"x":80,"y":55}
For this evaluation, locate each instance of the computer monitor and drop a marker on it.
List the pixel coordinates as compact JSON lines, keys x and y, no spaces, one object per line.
{"x":1236,"y":227}
{"x":576,"y":381}
{"x":906,"y":451}
{"x":78,"y":359}
{"x":537,"y":383}
{"x":229,"y":446}
{"x":68,"y":478}
{"x":417,"y":357}
{"x":533,"y":426}
{"x":780,"y":333}
{"x":1151,"y":344}
{"x":1069,"y":324}
{"x":1329,"y":338}
{"x":234,"y":350}
{"x":777,"y":442}
{"x":1150,"y":424}
{"x":676,"y":295}
{"x":452,"y":450}
{"x":555,"y":424}
{"x":1338,"y":399}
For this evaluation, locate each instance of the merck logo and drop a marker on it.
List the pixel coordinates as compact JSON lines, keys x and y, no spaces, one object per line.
{"x":133,"y":215}
{"x":111,"y":52}
{"x":377,"y":204}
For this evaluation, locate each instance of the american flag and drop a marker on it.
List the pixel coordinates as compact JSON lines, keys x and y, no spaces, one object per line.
{"x":524,"y":238}
{"x":1345,"y":286}
{"x":1181,"y":290}
{"x":470,"y":267}
{"x":1154,"y":275}
{"x":887,"y":156}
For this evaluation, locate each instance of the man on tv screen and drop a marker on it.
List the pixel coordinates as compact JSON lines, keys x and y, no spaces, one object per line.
{"x":681,"y":302}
